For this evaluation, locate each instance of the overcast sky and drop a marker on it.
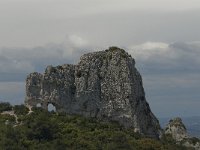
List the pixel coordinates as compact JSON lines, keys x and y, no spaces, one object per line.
{"x":162,"y":35}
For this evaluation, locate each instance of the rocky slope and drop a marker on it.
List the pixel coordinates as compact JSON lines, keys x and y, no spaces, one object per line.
{"x":178,"y":131}
{"x":104,"y":84}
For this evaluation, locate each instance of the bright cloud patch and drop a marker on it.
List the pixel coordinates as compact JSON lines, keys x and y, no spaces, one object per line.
{"x":149,"y":49}
{"x":77,"y":41}
{"x":171,"y":76}
{"x":25,"y":60}
{"x":174,"y":57}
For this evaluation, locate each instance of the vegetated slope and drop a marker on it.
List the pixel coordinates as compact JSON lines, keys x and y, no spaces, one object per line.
{"x":57,"y":131}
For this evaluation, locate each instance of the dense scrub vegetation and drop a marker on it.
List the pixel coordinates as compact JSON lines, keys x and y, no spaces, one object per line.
{"x":5,"y":107}
{"x":44,"y":130}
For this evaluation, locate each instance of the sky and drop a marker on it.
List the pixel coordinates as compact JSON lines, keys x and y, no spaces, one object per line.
{"x":162,"y":35}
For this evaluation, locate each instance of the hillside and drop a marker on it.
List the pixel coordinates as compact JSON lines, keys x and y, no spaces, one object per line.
{"x":41,"y":129}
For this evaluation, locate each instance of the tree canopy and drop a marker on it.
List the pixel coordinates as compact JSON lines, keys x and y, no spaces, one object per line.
{"x":58,"y":131}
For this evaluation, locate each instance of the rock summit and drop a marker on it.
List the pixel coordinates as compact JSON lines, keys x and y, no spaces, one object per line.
{"x":104,"y":84}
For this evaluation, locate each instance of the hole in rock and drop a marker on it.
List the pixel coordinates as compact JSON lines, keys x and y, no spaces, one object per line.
{"x":51,"y":107}
{"x":39,"y":105}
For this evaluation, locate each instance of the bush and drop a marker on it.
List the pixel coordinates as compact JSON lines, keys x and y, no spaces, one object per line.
{"x":113,"y":48}
{"x":44,"y":130}
{"x":194,"y":140}
{"x":20,"y":109}
{"x":4,"y":106}
{"x":7,"y":119}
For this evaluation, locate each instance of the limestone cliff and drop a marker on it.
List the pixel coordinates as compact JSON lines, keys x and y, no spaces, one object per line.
{"x":178,"y":131}
{"x":104,"y":84}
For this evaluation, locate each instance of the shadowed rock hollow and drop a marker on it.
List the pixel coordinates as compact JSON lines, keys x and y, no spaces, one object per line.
{"x":104,"y":84}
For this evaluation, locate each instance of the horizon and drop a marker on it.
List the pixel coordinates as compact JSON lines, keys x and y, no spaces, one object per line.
{"x":163,"y":39}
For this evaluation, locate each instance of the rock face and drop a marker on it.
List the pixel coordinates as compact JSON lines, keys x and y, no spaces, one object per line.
{"x":178,"y":131}
{"x":104,"y":84}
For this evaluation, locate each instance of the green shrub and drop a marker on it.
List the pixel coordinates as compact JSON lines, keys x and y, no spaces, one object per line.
{"x":44,"y":130}
{"x":5,"y":106}
{"x":194,"y":140}
{"x":20,"y":109}
{"x":7,"y":118}
{"x":113,"y":48}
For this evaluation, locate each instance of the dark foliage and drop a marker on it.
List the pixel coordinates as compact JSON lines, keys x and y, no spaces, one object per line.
{"x":5,"y":106}
{"x":44,"y":130}
{"x":20,"y":109}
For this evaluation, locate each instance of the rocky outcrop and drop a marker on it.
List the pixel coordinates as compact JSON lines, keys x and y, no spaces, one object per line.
{"x":55,"y":86}
{"x":104,"y":84}
{"x":178,"y":131}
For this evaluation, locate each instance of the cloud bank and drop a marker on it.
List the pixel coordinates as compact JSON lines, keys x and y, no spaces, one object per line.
{"x":170,"y":70}
{"x":171,"y":76}
{"x":18,"y":61}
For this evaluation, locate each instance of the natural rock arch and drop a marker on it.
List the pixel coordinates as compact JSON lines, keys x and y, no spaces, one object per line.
{"x":103,"y":84}
{"x":38,"y":105}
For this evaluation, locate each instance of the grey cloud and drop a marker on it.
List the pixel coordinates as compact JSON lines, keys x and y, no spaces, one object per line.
{"x":171,"y":76}
{"x":133,"y":27}
{"x":170,"y":71}
{"x":176,"y":58}
{"x":116,"y":26}
{"x":16,"y":63}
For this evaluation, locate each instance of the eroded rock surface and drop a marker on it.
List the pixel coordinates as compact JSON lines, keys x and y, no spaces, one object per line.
{"x":178,"y":131}
{"x":103,"y":84}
